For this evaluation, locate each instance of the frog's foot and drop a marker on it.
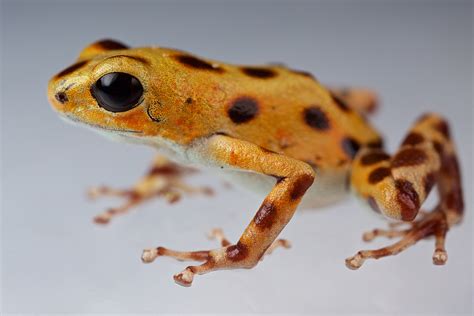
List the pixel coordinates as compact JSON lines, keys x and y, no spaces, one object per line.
{"x":165,"y":179}
{"x":213,"y":259}
{"x":430,"y":224}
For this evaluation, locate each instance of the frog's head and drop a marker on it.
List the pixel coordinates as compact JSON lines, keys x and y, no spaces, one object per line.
{"x":107,"y":89}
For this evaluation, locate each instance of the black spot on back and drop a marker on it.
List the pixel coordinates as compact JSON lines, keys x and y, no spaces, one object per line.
{"x":109,"y":44}
{"x":341,"y":104}
{"x":243,"y":110}
{"x":350,"y":146}
{"x":262,"y":73}
{"x":316,"y":118}
{"x":71,"y":68}
{"x":196,"y":63}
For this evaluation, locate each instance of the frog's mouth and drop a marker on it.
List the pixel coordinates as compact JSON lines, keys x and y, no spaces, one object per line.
{"x":74,"y":120}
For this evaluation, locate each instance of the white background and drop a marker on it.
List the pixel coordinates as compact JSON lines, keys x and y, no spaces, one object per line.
{"x":418,"y":55}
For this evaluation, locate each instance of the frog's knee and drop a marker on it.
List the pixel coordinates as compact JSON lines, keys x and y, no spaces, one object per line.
{"x":397,"y":199}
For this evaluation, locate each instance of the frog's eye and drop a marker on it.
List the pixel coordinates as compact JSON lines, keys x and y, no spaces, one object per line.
{"x":117,"y":92}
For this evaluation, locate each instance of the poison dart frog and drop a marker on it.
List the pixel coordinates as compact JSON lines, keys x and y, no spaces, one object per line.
{"x":271,"y":128}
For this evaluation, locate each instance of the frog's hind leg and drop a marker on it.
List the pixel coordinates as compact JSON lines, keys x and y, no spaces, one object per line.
{"x":362,"y":100}
{"x":397,"y":186}
{"x":164,"y":179}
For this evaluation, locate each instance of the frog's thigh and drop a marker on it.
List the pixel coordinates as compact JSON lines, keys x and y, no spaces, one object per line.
{"x":397,"y":186}
{"x":292,"y":179}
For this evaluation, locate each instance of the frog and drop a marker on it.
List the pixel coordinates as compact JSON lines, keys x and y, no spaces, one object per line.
{"x":270,"y":128}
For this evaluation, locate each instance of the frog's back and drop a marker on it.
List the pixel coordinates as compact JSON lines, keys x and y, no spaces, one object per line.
{"x":277,"y":108}
{"x":280,"y":109}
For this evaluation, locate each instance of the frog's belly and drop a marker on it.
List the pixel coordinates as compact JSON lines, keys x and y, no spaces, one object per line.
{"x":328,"y":187}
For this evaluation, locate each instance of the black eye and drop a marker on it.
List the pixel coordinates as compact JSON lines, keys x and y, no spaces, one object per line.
{"x":117,"y":91}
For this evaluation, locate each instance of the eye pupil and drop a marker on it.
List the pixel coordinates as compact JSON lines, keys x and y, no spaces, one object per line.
{"x":117,"y":92}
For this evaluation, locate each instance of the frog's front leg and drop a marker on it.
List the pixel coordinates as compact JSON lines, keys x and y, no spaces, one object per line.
{"x":397,"y":186}
{"x":292,"y":179}
{"x":164,"y":179}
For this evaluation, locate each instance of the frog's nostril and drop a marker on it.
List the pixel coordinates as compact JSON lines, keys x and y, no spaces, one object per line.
{"x":61,"y":97}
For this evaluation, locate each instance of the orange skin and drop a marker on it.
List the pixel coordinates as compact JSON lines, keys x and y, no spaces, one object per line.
{"x":278,"y":127}
{"x":269,"y":120}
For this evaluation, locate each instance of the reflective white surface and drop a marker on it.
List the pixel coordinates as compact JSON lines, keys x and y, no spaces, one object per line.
{"x":418,"y":56}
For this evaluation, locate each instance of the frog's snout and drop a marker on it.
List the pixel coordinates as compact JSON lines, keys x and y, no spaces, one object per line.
{"x":58,"y":95}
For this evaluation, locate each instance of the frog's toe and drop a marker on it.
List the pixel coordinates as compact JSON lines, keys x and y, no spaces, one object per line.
{"x":185,"y":277}
{"x":355,"y":262}
{"x":440,"y":256}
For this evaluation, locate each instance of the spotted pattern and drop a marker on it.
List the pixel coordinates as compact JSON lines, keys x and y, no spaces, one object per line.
{"x":243,"y":109}
{"x":197,"y":63}
{"x":237,"y":252}
{"x":409,"y":157}
{"x":340,"y":103}
{"x":443,"y":128}
{"x":316,"y":118}
{"x":413,"y":139}
{"x":262,"y":73}
{"x":373,"y":158}
{"x":439,"y":148}
{"x":300,"y":186}
{"x":109,"y":44}
{"x":265,"y":216}
{"x":379,"y":174}
{"x":168,"y":170}
{"x":72,"y":68}
{"x":407,"y":199}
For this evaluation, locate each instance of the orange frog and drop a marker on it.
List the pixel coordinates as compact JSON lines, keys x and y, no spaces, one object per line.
{"x":270,"y":128}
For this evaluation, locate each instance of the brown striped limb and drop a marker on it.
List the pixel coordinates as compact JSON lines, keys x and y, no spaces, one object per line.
{"x":292,"y":179}
{"x":433,"y":224}
{"x":149,"y":255}
{"x":397,"y":186}
{"x":164,"y":179}
{"x":362,"y":100}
